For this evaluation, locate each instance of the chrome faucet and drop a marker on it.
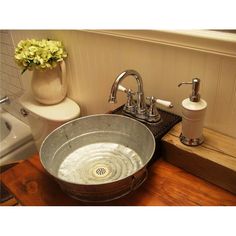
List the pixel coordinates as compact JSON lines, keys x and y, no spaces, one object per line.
{"x":138,"y":108}
{"x":4,"y":99}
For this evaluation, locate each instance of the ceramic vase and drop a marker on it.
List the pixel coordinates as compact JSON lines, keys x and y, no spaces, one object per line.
{"x":49,"y":87}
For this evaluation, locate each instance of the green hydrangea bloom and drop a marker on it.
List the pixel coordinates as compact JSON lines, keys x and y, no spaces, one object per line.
{"x":39,"y":54}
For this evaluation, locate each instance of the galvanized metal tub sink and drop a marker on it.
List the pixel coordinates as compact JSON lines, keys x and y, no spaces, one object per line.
{"x":100,"y":157}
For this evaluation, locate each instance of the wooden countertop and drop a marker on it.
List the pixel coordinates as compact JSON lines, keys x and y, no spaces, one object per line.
{"x":166,"y":185}
{"x":214,"y":160}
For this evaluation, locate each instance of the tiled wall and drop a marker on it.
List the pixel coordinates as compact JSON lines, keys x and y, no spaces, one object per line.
{"x":10,"y":83}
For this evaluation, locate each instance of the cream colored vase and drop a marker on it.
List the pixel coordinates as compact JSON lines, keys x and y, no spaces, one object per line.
{"x":49,"y":87}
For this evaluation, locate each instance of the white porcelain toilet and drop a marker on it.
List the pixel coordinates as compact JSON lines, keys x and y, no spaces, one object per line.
{"x":45,"y":118}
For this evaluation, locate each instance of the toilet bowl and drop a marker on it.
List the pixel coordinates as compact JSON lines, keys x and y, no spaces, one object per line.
{"x":43,"y":119}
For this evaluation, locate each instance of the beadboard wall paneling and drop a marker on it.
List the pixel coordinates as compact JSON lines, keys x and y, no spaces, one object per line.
{"x":208,"y":41}
{"x":209,"y":88}
{"x":225,"y":97}
{"x":96,"y":59}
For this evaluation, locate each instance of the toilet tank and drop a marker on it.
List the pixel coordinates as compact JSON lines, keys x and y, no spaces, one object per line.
{"x":43,"y":119}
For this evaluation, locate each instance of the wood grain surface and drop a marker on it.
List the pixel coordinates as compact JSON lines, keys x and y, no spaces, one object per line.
{"x":214,"y":160}
{"x":166,"y":185}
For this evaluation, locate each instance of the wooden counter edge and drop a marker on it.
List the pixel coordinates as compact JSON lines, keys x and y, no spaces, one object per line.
{"x":203,"y":161}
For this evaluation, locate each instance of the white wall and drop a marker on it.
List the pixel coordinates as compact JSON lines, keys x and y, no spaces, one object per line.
{"x":95,"y":60}
{"x":10,"y":84}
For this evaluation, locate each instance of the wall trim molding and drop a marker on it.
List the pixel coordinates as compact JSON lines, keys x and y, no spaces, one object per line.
{"x":207,"y":41}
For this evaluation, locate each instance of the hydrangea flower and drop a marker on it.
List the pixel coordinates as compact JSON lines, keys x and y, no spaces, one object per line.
{"x":39,"y":54}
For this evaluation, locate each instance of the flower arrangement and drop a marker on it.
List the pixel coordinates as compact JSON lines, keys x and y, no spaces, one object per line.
{"x":39,"y":54}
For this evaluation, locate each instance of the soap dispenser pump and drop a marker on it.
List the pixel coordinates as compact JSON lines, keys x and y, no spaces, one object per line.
{"x":193,"y":113}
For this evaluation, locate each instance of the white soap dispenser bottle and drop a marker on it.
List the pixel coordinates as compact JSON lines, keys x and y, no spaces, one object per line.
{"x":193,"y":113}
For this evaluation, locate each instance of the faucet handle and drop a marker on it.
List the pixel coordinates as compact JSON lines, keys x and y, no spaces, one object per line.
{"x":153,"y":115}
{"x":125,"y":90}
{"x":5,"y":99}
{"x":165,"y":103}
{"x":130,"y":104}
{"x":122,"y":88}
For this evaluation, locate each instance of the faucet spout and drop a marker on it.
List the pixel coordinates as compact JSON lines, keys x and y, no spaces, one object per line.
{"x":112,"y":97}
{"x":141,"y":105}
{"x":114,"y":88}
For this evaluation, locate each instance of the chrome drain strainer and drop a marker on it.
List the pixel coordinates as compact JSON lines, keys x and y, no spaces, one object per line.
{"x":101,"y":172}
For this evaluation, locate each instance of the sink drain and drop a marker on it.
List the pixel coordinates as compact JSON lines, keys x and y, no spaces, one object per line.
{"x":100,"y":171}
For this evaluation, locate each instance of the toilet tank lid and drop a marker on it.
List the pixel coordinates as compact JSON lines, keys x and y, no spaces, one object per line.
{"x":61,"y":112}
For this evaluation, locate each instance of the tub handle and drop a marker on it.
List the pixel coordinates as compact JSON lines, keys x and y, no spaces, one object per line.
{"x":136,"y":182}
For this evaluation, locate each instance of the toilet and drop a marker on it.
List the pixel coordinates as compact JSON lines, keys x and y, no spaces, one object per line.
{"x":43,"y":119}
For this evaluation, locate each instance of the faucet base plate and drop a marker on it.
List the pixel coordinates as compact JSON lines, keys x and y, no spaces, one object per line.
{"x":142,"y":120}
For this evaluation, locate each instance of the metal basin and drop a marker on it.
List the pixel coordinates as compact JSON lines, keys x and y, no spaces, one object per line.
{"x":99,"y":157}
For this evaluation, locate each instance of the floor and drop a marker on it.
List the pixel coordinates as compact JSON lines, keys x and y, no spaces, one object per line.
{"x":6,"y":198}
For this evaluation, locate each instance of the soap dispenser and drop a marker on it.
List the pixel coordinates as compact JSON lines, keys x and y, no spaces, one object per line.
{"x":193,"y":113}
